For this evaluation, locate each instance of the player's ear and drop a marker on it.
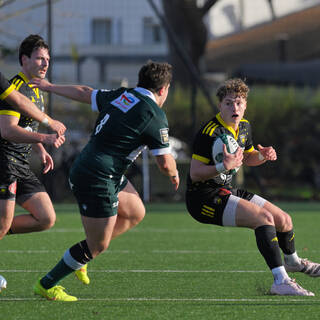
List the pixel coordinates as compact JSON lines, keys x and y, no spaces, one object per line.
{"x":161,"y":91}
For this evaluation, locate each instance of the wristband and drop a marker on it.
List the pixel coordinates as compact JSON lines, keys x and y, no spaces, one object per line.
{"x":260,"y":156}
{"x":45,"y":122}
{"x":220,"y":167}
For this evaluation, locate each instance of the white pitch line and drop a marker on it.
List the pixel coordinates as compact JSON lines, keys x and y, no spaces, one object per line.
{"x":153,"y":230}
{"x":146,"y":271}
{"x":275,"y":300}
{"x":255,"y":251}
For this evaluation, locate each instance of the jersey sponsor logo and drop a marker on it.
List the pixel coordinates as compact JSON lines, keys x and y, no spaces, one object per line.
{"x":164,"y":134}
{"x":125,"y":101}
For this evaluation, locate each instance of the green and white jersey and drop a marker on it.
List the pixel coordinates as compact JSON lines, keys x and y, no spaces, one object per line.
{"x":128,"y":121}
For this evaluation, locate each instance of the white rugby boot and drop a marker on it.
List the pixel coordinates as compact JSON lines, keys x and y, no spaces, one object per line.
{"x":306,"y":266}
{"x":289,"y":288}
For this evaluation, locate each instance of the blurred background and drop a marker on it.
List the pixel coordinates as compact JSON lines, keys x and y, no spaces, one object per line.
{"x":272,"y":44}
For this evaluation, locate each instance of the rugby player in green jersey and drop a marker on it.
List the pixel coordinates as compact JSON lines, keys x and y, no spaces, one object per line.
{"x":211,"y":199}
{"x":128,"y":120}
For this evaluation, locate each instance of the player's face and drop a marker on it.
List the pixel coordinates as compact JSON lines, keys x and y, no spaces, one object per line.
{"x":164,"y":95}
{"x":37,"y":65}
{"x":232,"y":109}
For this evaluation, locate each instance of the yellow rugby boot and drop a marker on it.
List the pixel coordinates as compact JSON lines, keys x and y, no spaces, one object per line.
{"x":82,"y":274}
{"x":55,"y":293}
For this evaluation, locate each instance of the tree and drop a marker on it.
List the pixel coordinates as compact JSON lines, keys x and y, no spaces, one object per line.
{"x":186,"y":19}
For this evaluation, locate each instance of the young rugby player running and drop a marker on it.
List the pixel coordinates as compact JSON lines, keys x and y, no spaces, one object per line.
{"x":128,"y":120}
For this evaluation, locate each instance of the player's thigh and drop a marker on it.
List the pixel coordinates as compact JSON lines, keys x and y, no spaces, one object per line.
{"x":98,"y":232}
{"x":282,"y":220}
{"x":130,"y":203}
{"x":40,"y":206}
{"x":249,"y":214}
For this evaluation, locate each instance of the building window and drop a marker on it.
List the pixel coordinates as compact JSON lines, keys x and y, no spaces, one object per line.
{"x":101,"y":31}
{"x":152,"y":31}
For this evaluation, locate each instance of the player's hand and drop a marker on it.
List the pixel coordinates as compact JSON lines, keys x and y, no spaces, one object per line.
{"x":47,"y":162}
{"x":268,"y":153}
{"x":175,"y":180}
{"x":232,"y":160}
{"x":57,"y":127}
{"x":54,"y":140}
{"x":42,"y":84}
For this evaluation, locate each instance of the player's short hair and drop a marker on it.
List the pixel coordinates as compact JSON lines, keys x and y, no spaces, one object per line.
{"x":155,"y":75}
{"x":233,"y":86}
{"x":31,"y":43}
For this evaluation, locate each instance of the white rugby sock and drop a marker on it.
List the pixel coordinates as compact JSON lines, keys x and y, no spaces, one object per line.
{"x":292,"y":259}
{"x":279,"y":274}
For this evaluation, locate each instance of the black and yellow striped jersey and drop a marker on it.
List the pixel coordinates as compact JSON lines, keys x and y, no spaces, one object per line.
{"x":5,"y":87}
{"x":202,"y":146}
{"x":18,"y":153}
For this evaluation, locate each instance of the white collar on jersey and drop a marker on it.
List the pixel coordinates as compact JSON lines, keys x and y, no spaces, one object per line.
{"x":146,"y":93}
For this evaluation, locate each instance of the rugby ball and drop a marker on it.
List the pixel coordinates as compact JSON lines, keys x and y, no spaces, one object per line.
{"x":3,"y":283}
{"x":217,"y":149}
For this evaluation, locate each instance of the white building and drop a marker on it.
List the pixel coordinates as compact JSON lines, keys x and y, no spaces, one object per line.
{"x":230,"y":16}
{"x":93,"y":42}
{"x":104,"y":42}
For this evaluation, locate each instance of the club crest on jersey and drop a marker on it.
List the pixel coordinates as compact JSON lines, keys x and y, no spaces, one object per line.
{"x":164,"y":134}
{"x":125,"y":101}
{"x":243,"y":138}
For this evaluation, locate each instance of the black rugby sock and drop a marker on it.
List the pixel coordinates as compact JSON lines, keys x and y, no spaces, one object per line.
{"x":286,"y":242}
{"x":268,"y":245}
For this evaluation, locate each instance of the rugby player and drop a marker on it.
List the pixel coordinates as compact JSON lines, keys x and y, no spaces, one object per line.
{"x":17,"y":132}
{"x":211,"y":199}
{"x":128,"y":120}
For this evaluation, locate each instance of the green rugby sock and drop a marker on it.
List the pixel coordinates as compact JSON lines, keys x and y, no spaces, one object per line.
{"x":60,"y":271}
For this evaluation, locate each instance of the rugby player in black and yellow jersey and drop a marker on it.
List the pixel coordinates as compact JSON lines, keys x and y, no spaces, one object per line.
{"x":211,"y":199}
{"x":24,"y":105}
{"x":17,"y":133}
{"x":128,"y":121}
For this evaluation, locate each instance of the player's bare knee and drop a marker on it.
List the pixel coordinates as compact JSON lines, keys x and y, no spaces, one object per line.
{"x":46,"y":222}
{"x":285,"y":223}
{"x":139,"y":217}
{"x":265,"y":217}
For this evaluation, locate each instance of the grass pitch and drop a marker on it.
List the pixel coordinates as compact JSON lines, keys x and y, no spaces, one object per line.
{"x":168,"y":267}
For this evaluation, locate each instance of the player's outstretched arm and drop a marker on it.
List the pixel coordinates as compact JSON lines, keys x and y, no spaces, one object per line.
{"x":167,"y":165}
{"x":10,"y":131}
{"x":25,"y":106}
{"x":74,"y":92}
